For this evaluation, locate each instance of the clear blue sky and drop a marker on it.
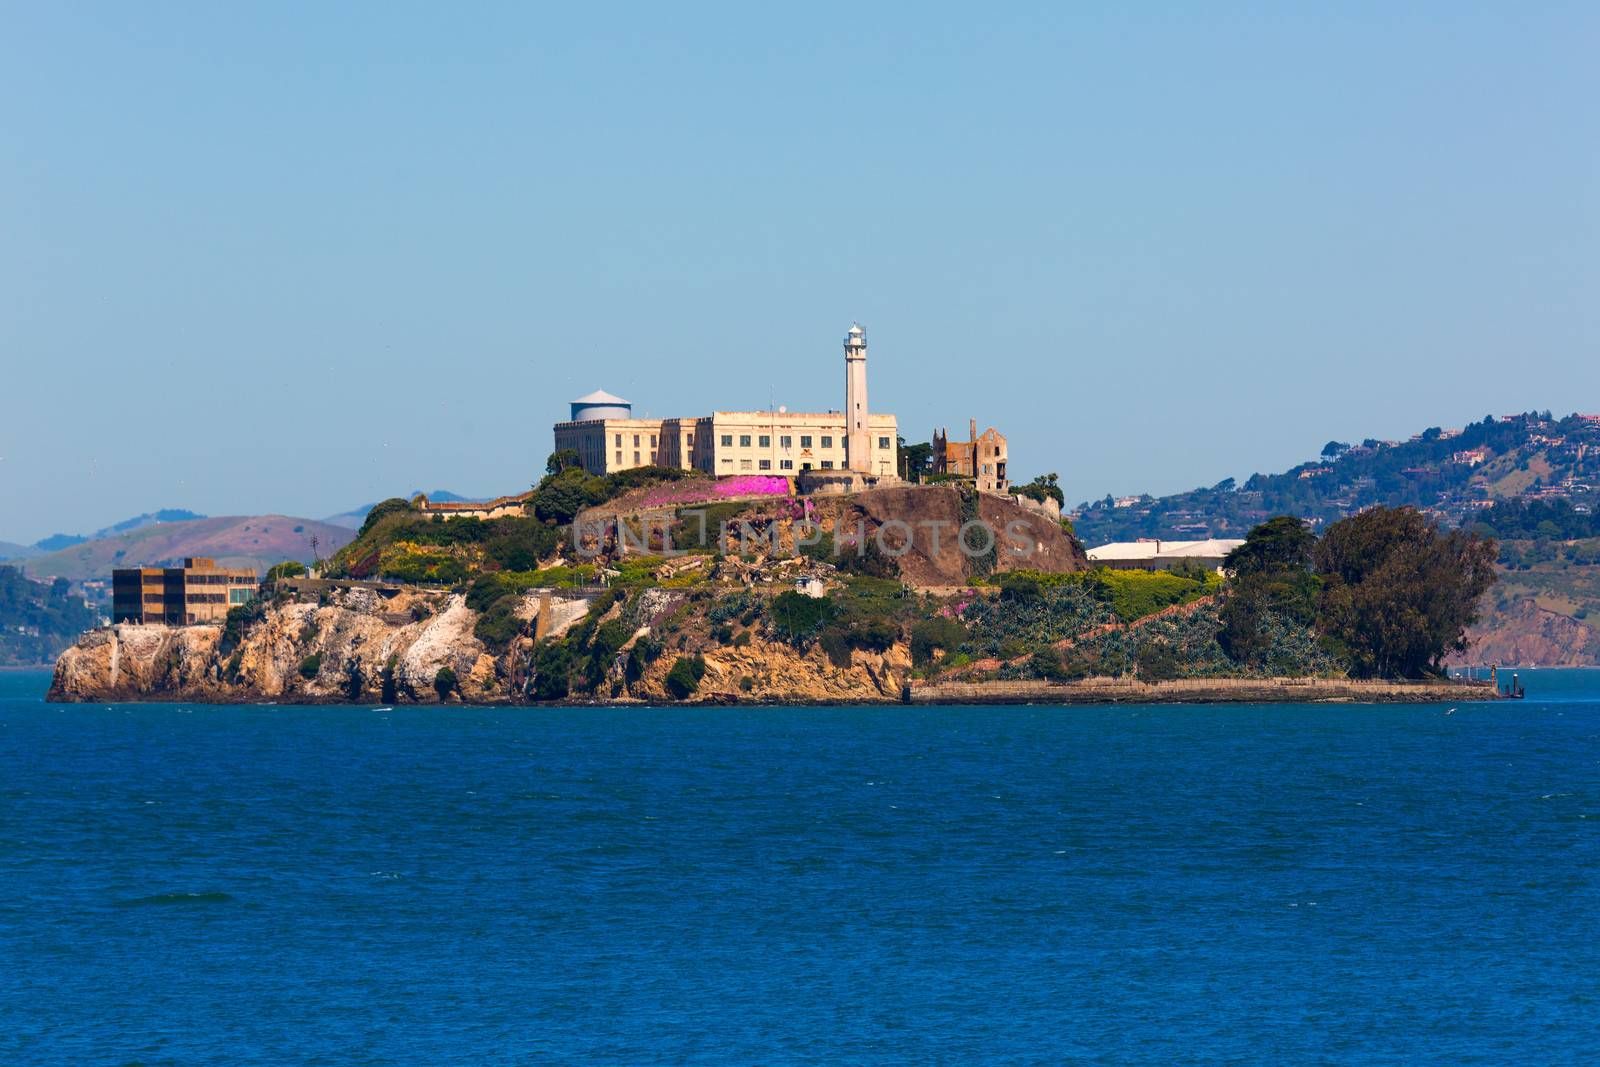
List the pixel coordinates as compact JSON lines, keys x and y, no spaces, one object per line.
{"x":381,"y":246}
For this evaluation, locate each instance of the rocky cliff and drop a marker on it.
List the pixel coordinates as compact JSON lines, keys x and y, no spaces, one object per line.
{"x":353,"y":646}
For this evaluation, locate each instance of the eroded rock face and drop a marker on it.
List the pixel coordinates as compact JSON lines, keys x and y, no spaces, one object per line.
{"x":922,"y":523}
{"x":779,"y":673}
{"x":355,"y":648}
{"x":1524,"y":634}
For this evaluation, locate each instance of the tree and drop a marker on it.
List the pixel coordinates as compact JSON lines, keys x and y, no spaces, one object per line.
{"x":1334,"y":449}
{"x":1271,"y":577}
{"x":391,"y":506}
{"x":913,"y":460}
{"x":1044,"y":487}
{"x":289,"y":568}
{"x":1398,"y":593}
{"x":1280,"y":543}
{"x":444,"y":680}
{"x":559,"y":497}
{"x":561,"y":460}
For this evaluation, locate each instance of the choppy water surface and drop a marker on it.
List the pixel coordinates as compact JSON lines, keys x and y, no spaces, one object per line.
{"x":1350,"y":885}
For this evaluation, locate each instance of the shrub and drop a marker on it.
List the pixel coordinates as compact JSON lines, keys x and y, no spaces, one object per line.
{"x":444,"y":681}
{"x":743,"y":639}
{"x":1158,"y":662}
{"x":746,"y":684}
{"x":393,"y":506}
{"x":835,"y":641}
{"x":552,"y":662}
{"x":311,"y":666}
{"x":797,"y":618}
{"x":684,"y":677}
{"x":938,"y":633}
{"x":238,"y":620}
{"x":289,"y":568}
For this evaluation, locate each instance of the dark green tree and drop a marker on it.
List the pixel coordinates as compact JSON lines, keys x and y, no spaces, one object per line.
{"x":914,"y":460}
{"x":1271,"y":575}
{"x":562,"y":460}
{"x":1044,"y":487}
{"x":559,"y":497}
{"x":1397,"y":592}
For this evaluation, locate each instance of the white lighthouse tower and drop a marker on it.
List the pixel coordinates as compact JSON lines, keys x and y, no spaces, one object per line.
{"x":859,"y":441}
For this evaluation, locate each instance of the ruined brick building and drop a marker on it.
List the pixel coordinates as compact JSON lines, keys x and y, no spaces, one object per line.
{"x":982,"y":457}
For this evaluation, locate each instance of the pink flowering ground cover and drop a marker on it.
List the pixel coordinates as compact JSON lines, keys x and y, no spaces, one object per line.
{"x":698,"y":491}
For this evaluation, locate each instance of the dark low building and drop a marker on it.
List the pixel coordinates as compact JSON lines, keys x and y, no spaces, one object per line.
{"x":199,"y":591}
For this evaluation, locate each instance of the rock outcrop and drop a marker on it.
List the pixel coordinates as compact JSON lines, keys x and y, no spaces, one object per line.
{"x":355,"y":647}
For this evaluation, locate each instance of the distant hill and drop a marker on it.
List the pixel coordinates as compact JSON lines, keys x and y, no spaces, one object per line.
{"x":1453,"y":474}
{"x":353,"y":518}
{"x":8,"y":550}
{"x":58,"y":541}
{"x":1532,"y":481}
{"x":37,"y":619}
{"x":256,"y":541}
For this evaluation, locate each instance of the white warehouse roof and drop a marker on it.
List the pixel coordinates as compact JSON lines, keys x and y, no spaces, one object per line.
{"x":1212,"y":548}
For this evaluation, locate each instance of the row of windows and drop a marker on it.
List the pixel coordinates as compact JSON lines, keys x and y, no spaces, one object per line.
{"x":766,"y":464}
{"x":652,"y":440}
{"x":784,"y":441}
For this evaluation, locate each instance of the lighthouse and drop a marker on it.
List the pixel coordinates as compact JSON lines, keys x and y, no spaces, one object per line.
{"x":859,"y":442}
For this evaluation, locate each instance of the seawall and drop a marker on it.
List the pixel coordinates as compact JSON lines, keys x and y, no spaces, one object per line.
{"x":1200,"y":691}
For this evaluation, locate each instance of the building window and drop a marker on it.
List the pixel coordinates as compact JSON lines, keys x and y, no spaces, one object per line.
{"x":883,"y":442}
{"x":652,"y":440}
{"x":652,"y":459}
{"x":827,"y":442}
{"x":744,"y":440}
{"x":635,"y":440}
{"x":785,"y":441}
{"x":805,"y":440}
{"x":619,"y":443}
{"x":619,"y":453}
{"x":764,"y":465}
{"x":764,"y":441}
{"x":727,"y":440}
{"x":827,"y":464}
{"x":691,"y":440}
{"x":636,"y":459}
{"x":744,"y":464}
{"x":786,"y":464}
{"x":727,"y":462}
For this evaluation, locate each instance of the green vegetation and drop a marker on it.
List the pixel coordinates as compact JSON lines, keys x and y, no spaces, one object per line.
{"x":38,"y":619}
{"x":1398,"y":593}
{"x":1272,"y":581}
{"x":797,"y":618}
{"x":444,"y":682}
{"x":684,"y":677}
{"x":1042,"y":488}
{"x":289,"y":568}
{"x":311,"y":666}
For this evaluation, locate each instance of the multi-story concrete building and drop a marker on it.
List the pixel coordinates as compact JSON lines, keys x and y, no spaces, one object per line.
{"x":199,"y":591}
{"x":607,"y":438}
{"x":982,"y":458}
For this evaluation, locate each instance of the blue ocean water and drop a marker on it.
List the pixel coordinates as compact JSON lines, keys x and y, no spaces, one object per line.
{"x":270,"y":885}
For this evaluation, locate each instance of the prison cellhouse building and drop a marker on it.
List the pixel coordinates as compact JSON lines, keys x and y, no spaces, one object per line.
{"x":607,"y":437}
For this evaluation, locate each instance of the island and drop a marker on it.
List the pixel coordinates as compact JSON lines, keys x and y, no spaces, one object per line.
{"x":664,"y":585}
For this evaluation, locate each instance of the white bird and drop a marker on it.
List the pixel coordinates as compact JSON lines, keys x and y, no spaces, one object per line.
{"x":1452,"y":711}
